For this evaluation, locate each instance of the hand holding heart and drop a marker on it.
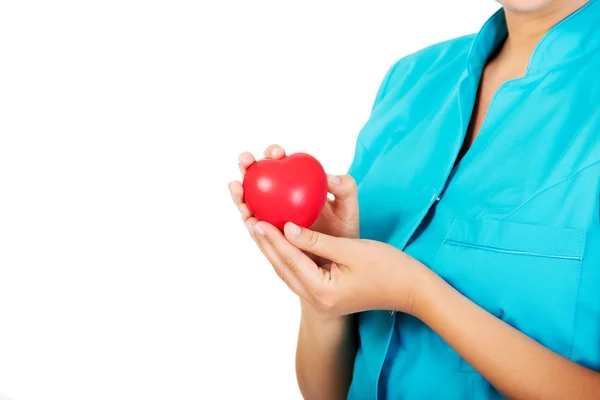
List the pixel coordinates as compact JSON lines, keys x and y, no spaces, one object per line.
{"x":326,"y":265}
{"x":338,"y":217}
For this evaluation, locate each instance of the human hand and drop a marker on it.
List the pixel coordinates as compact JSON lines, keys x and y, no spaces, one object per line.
{"x":363,"y":275}
{"x":339,"y":216}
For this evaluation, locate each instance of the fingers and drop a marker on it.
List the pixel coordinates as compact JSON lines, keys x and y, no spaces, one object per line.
{"x":345,"y":203}
{"x":342,"y":187}
{"x":245,"y":212}
{"x":294,"y":261}
{"x":332,"y":248}
{"x":288,"y":277}
{"x":245,"y":159}
{"x":237,"y":195}
{"x":274,"y":151}
{"x":250,"y":222}
{"x":237,"y":192}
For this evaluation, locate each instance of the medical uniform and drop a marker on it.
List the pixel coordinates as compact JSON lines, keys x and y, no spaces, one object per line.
{"x":514,"y":225}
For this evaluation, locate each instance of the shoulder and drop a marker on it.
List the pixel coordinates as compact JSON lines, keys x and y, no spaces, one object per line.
{"x":439,"y":55}
{"x":442,"y":58}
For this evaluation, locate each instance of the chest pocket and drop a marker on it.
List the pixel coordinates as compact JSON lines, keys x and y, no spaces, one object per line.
{"x":526,"y":275}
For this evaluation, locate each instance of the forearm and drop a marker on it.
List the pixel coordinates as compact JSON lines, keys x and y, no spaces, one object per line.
{"x":518,"y":366}
{"x":325,"y":355}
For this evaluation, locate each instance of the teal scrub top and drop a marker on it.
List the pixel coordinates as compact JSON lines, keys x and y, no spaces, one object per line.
{"x":514,"y":226}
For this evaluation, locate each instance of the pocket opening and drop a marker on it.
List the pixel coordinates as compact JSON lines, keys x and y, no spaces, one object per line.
{"x":510,"y":251}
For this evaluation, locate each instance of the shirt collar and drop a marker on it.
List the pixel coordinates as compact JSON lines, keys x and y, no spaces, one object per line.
{"x":574,"y":37}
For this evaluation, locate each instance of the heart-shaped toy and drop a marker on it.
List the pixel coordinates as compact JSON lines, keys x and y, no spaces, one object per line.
{"x":290,"y":189}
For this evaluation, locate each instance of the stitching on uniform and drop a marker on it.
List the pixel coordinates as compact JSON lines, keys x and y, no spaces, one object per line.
{"x":548,"y":188}
{"x":577,"y":285}
{"x":553,"y":33}
{"x":444,"y":243}
{"x":582,"y":241}
{"x":517,"y":250}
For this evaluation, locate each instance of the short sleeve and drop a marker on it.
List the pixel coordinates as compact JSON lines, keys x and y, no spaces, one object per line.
{"x":359,"y":163}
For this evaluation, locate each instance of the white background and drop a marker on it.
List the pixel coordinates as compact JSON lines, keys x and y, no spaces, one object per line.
{"x":125,"y":272}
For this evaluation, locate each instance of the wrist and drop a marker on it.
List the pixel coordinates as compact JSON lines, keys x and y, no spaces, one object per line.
{"x":312,"y":318}
{"x":427,"y":291}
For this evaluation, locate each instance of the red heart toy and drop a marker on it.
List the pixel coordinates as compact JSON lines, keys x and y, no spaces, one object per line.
{"x":290,"y":189}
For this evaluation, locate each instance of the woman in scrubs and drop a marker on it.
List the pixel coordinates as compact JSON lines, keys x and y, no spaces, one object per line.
{"x":477,"y":270}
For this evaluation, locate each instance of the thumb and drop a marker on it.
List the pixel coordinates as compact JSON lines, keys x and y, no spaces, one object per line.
{"x":343,"y":187}
{"x":319,"y":244}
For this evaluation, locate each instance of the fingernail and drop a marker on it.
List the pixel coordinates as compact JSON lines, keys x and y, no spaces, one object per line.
{"x":294,"y":229}
{"x":275,"y":151}
{"x":335,"y":179}
{"x":250,"y":228}
{"x":259,"y":230}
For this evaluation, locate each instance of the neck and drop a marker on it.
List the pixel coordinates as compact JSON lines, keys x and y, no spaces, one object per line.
{"x":526,"y":29}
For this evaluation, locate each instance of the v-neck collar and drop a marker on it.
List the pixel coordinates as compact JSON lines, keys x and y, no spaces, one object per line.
{"x":575,"y":36}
